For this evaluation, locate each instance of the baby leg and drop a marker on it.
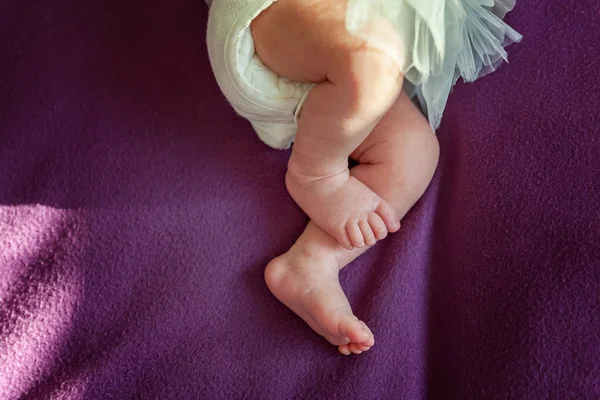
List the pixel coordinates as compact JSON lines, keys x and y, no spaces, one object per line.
{"x":397,"y":161}
{"x":356,"y":86}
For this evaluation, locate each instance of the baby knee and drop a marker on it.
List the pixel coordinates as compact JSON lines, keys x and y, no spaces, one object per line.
{"x":431,"y":152}
{"x":415,"y":180}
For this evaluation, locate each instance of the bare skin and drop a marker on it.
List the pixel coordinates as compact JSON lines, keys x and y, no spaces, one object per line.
{"x":306,"y":40}
{"x":356,"y":109}
{"x":397,"y":161}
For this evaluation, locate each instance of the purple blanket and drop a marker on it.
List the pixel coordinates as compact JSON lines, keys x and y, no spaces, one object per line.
{"x":137,"y":213}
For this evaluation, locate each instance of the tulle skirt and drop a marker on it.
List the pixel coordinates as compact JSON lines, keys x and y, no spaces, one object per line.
{"x":435,"y":42}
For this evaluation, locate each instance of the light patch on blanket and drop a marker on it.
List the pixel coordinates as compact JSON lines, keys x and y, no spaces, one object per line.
{"x":39,"y":292}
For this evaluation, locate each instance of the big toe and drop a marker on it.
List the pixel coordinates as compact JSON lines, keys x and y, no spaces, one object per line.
{"x":362,"y":340}
{"x":389,"y":217}
{"x":355,"y":330}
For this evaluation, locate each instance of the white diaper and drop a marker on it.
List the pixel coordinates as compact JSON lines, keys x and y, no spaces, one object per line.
{"x":271,"y":103}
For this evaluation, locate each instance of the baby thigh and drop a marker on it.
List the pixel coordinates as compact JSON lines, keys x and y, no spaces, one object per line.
{"x":307,"y":40}
{"x":301,"y":40}
{"x":398,"y":159}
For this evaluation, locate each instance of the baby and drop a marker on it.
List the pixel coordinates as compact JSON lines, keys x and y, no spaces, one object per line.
{"x":297,"y":73}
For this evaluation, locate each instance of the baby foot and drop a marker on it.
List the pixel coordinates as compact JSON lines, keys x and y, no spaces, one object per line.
{"x":343,"y":206}
{"x":308,"y":284}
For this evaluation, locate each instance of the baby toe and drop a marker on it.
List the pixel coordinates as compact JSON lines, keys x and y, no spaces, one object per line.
{"x":354,"y":348}
{"x":367,"y":232}
{"x":355,"y":235}
{"x":363,"y":347}
{"x":344,"y":349}
{"x":344,"y":240}
{"x":377,"y":226}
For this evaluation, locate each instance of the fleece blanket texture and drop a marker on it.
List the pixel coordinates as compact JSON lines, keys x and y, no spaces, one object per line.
{"x":137,"y":213}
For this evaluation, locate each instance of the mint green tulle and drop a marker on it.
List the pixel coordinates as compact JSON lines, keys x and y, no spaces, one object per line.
{"x":435,"y":42}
